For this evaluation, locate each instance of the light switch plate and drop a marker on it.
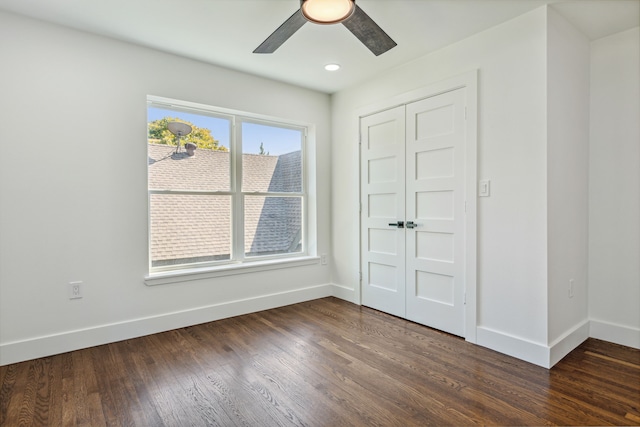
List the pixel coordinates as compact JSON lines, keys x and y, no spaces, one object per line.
{"x":484,"y":188}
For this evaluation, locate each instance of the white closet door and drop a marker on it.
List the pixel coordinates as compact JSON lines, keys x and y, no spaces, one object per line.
{"x":435,"y":183}
{"x":383,"y":203}
{"x":413,"y":171}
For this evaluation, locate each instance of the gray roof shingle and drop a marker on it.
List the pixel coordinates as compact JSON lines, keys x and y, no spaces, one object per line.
{"x":194,"y":228}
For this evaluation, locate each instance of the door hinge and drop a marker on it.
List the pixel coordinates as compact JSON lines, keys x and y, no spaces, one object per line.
{"x":360,"y":275}
{"x":360,"y":207}
{"x":464,"y":298}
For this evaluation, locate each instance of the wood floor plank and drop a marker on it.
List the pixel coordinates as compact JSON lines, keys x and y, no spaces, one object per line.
{"x":613,"y":359}
{"x":68,"y":409}
{"x":55,"y":402}
{"x":319,"y":363}
{"x":633,"y":417}
{"x":25,"y":416}
{"x":8,"y":376}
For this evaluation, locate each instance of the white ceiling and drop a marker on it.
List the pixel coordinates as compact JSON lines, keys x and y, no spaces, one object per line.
{"x":225,"y":32}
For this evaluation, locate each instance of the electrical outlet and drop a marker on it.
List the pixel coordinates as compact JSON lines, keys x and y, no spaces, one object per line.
{"x":570,"y":288}
{"x":323,"y":259}
{"x":75,"y":290}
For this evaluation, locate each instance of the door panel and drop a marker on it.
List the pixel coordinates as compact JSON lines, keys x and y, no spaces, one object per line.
{"x":383,"y":202}
{"x":435,"y":202}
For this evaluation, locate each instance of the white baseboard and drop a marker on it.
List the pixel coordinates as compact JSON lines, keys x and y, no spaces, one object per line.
{"x":532,"y":352}
{"x":547,"y":356}
{"x":344,"y":293}
{"x":19,"y":351}
{"x":526,"y":350}
{"x":568,"y":342}
{"x":618,"y":334}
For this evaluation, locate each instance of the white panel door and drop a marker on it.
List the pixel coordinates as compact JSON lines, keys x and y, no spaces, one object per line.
{"x":435,"y":245}
{"x":383,"y":203}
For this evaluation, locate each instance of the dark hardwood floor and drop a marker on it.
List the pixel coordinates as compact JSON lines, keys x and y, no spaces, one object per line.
{"x":320,"y":363}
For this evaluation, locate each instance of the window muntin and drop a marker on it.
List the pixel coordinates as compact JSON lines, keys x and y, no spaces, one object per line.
{"x":243,"y":200}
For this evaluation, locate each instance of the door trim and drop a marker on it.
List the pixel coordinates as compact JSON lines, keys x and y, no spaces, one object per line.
{"x":469,"y":81}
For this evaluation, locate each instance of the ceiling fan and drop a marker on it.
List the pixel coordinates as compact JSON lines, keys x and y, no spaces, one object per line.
{"x":331,"y":12}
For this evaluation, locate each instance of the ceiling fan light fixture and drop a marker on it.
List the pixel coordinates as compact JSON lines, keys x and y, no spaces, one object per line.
{"x":327,"y":11}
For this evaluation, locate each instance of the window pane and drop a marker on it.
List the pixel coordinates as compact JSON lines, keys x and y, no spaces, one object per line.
{"x":271,"y":159}
{"x":205,"y":167}
{"x":187,"y":229}
{"x":272,"y":225}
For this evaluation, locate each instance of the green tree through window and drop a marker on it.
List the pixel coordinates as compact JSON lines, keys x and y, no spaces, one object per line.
{"x":160,"y":134}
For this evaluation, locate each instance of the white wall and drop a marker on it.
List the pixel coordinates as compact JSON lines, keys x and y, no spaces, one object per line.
{"x":614,"y":189}
{"x":73,"y":190}
{"x":512,"y":223}
{"x":567,"y":183}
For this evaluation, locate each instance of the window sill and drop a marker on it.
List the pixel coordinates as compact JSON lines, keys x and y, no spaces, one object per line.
{"x":187,"y":275}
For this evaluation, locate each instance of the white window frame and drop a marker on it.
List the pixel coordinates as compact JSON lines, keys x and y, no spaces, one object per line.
{"x":239,"y":262}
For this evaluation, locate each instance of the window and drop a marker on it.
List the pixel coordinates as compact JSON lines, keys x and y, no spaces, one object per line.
{"x":227,"y":188}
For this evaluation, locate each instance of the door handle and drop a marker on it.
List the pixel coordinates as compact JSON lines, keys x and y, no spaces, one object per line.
{"x":411,"y":224}
{"x":399,"y":224}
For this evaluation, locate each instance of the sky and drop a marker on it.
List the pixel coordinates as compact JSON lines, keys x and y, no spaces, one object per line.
{"x":276,"y":141}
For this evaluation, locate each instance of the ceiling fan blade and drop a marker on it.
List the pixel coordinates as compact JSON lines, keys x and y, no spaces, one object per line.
{"x":368,"y":32}
{"x":283,"y":32}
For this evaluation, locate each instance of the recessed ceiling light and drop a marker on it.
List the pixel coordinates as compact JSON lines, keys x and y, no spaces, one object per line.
{"x":332,"y":67}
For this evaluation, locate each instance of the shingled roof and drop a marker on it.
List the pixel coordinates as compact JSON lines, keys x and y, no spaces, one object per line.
{"x":197,"y":228}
